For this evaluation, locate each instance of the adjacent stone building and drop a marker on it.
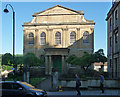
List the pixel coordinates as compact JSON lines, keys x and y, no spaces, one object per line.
{"x":57,"y":32}
{"x":113,"y":39}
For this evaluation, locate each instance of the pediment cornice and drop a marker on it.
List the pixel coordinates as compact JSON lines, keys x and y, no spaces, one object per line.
{"x":42,"y":13}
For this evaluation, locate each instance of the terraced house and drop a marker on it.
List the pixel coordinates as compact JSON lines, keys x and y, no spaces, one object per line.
{"x":113,"y":39}
{"x":56,"y":33}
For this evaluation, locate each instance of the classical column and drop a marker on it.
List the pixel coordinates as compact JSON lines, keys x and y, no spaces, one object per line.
{"x":46,"y":64}
{"x":63,"y":63}
{"x":50,"y":65}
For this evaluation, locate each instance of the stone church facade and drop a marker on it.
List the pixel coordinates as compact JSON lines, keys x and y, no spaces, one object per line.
{"x":56,"y":33}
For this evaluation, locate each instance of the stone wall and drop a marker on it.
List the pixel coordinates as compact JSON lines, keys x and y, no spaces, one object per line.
{"x":91,"y":83}
{"x":37,"y":71}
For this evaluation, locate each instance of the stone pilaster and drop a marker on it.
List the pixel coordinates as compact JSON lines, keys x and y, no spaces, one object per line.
{"x":50,"y":65}
{"x":49,"y":36}
{"x":78,"y":34}
{"x":46,"y":65}
{"x":36,"y":39}
{"x":64,"y":37}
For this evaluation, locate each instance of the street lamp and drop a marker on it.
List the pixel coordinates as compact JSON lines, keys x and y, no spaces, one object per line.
{"x":6,"y":11}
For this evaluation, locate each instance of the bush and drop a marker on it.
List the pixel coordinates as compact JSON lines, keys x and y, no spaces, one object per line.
{"x":16,"y":77}
{"x":35,"y":81}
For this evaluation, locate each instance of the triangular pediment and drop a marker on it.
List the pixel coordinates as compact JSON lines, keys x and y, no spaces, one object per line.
{"x":58,"y":10}
{"x":60,"y":15}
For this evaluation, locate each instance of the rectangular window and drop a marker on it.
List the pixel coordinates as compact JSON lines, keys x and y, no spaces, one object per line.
{"x":110,"y":43}
{"x":110,"y":24}
{"x":116,"y":37}
{"x":116,"y":18}
{"x":116,"y":42}
{"x":116,"y":67}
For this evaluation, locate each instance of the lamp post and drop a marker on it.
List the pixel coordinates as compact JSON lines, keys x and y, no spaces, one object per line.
{"x":6,"y":11}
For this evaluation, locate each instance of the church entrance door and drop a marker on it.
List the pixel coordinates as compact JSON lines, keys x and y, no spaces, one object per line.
{"x":57,"y":62}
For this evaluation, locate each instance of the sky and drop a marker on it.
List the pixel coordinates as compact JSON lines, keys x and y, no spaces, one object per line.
{"x":96,"y":11}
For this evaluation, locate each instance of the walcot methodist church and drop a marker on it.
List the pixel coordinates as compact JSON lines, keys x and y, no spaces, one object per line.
{"x":56,"y":33}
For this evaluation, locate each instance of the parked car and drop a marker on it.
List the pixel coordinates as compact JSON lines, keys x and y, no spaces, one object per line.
{"x":20,"y":89}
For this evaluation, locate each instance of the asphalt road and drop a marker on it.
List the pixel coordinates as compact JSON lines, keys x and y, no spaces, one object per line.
{"x":83,"y":96}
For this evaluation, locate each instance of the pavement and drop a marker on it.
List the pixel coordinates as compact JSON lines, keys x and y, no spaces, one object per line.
{"x":112,"y":93}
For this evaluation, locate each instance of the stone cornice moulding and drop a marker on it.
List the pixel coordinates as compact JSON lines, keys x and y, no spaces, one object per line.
{"x":77,"y":12}
{"x":64,"y":29}
{"x":48,"y":24}
{"x":49,"y":29}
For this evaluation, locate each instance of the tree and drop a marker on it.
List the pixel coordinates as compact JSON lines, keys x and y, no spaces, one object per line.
{"x":18,"y":59}
{"x":87,"y":59}
{"x":100,"y":57}
{"x":7,"y":59}
{"x":30,"y":59}
{"x":71,"y":59}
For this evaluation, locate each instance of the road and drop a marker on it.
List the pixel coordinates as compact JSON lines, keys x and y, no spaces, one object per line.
{"x":86,"y":93}
{"x":83,"y":96}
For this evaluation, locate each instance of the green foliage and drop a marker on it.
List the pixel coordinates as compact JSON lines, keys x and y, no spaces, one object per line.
{"x":87,"y":59}
{"x":8,"y":67}
{"x":99,"y":56}
{"x":83,"y":76}
{"x":7,"y":59}
{"x":71,"y":58}
{"x":16,"y":77}
{"x":35,"y":81}
{"x":30,"y":59}
{"x":18,"y":60}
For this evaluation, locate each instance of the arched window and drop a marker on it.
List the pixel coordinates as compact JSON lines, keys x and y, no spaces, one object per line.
{"x":86,"y":37}
{"x":72,"y":37}
{"x":42,"y":38}
{"x":57,"y":38}
{"x":31,"y":38}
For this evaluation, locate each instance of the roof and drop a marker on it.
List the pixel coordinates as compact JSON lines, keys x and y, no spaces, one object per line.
{"x":112,"y":9}
{"x":78,"y":12}
{"x":99,"y":64}
{"x":72,"y":12}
